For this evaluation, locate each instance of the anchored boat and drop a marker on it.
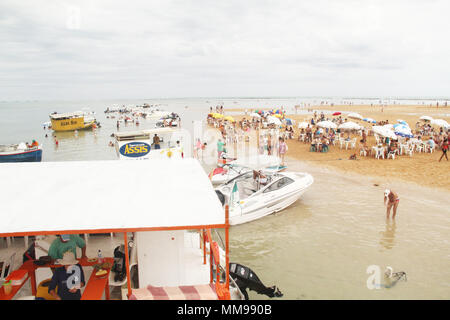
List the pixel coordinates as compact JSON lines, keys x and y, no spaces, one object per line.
{"x":253,"y":195}
{"x":20,"y":153}
{"x":77,"y":120}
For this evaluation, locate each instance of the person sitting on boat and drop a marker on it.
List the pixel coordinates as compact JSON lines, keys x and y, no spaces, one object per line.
{"x":259,"y":178}
{"x":69,"y":279}
{"x":34,"y":144}
{"x":156,"y":141}
{"x":66,"y":242}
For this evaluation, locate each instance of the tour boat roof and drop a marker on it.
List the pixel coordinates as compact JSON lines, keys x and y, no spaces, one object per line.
{"x":67,"y":115}
{"x":106,"y":196}
{"x":146,"y":132}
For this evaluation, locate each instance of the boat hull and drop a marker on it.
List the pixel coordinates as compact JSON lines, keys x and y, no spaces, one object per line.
{"x":25,"y":156}
{"x":71,"y":124}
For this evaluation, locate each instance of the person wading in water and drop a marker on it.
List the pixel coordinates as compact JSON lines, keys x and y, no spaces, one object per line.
{"x":393,"y":201}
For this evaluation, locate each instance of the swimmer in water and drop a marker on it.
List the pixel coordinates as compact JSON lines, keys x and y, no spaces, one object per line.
{"x":393,"y":201}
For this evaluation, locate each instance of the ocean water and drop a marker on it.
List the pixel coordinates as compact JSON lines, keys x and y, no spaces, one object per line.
{"x":319,"y":248}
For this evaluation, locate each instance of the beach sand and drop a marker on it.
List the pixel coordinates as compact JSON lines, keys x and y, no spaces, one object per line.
{"x":422,"y":168}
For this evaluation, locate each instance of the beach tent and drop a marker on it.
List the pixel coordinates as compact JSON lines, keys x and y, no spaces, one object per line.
{"x":355,"y":115}
{"x":326,"y":124}
{"x":349,"y":125}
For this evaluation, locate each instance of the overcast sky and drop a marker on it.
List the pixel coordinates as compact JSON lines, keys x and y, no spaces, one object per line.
{"x":100,"y":49}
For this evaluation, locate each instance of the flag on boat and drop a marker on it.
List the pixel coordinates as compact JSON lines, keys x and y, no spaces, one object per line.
{"x":234,"y":195}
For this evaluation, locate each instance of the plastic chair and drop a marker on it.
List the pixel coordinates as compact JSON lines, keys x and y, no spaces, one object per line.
{"x":133,"y":262}
{"x":391,"y":154}
{"x":363,"y":152}
{"x":380,"y":153}
{"x":353,"y":143}
{"x":410,"y":151}
{"x":7,"y":264}
{"x":312,"y":149}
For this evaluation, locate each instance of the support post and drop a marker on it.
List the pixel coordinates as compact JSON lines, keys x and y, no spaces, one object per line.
{"x":127,"y":263}
{"x":227,"y":248}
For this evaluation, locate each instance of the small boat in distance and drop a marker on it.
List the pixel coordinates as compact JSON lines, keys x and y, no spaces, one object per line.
{"x":20,"y":153}
{"x":71,"y":121}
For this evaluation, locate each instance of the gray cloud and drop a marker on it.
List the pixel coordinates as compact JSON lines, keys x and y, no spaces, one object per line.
{"x":237,"y":48}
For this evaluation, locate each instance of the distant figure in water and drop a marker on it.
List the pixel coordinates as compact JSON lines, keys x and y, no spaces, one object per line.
{"x":56,"y":142}
{"x":393,"y":201}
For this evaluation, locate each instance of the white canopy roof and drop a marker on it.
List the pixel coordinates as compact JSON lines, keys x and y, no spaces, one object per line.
{"x":98,"y":195}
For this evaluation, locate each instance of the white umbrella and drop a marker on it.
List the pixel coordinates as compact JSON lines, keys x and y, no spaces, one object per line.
{"x":326,"y":124}
{"x":255,"y":115}
{"x":426,"y":118}
{"x":303,"y":125}
{"x":403,"y":131}
{"x":439,"y":122}
{"x":274,"y":120}
{"x":355,"y":115}
{"x":350,"y":126}
{"x":383,"y":131}
{"x":388,"y":126}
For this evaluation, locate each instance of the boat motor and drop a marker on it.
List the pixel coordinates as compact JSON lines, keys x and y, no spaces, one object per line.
{"x":245,"y":279}
{"x":221,"y":197}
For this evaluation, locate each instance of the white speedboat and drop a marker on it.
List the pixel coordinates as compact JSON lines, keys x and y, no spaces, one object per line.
{"x":250,"y":199}
{"x":231,"y":169}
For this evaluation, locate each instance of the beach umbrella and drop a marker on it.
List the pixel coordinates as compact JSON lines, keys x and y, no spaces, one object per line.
{"x":336,"y":114}
{"x":402,"y":122}
{"x":385,"y":132}
{"x":229,"y":118}
{"x":326,"y":124}
{"x":403,"y":131}
{"x":388,"y":126}
{"x":303,"y":125}
{"x":217,"y":115}
{"x":255,"y":115}
{"x":426,"y":118}
{"x":279,"y":116}
{"x":349,"y":125}
{"x":355,"y":115}
{"x":273,"y":120}
{"x":439,"y":122}
{"x":288,"y":121}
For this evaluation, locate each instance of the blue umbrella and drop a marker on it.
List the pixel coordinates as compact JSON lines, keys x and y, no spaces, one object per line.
{"x":288,"y":121}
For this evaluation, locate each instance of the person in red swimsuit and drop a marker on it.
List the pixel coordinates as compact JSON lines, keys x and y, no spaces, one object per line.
{"x":392,"y":202}
{"x":444,"y":150}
